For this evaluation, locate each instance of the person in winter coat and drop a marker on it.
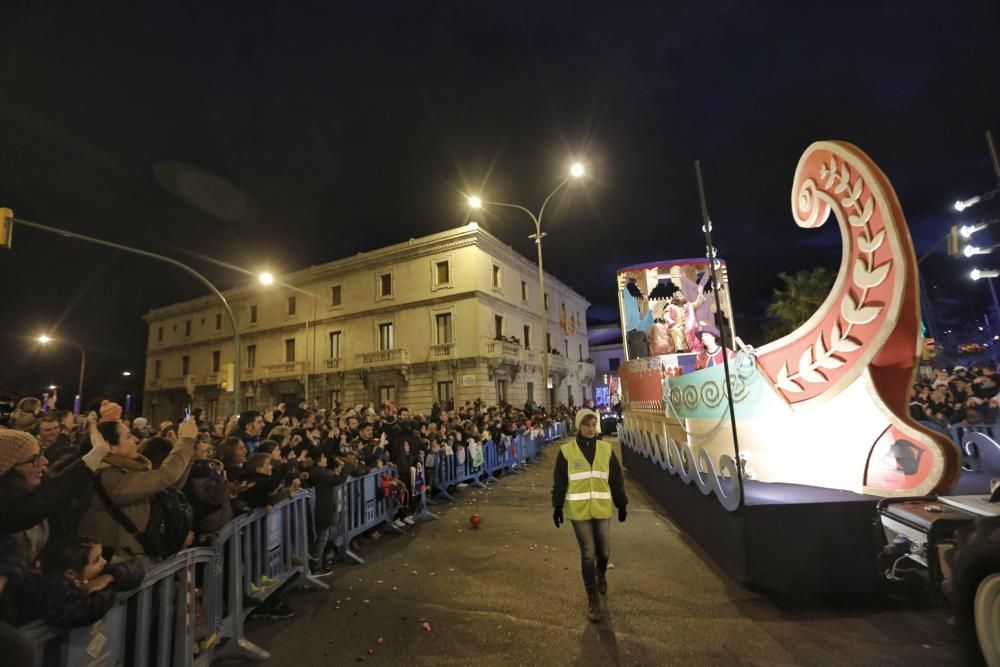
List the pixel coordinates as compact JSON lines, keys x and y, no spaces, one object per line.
{"x":587,"y":480}
{"x":130,"y":481}
{"x":208,"y":492}
{"x":77,"y":587}
{"x":323,"y":479}
{"x":262,"y":487}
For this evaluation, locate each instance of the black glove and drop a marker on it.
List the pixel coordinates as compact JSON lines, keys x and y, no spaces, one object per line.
{"x":621,"y":514}
{"x":557,"y":517}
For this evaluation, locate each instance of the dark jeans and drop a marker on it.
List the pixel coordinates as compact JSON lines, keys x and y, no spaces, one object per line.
{"x":593,"y":536}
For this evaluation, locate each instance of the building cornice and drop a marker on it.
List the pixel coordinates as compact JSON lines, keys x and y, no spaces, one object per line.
{"x":450,"y":240}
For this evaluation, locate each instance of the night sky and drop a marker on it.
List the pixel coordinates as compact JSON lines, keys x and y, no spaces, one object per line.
{"x":344,"y":127}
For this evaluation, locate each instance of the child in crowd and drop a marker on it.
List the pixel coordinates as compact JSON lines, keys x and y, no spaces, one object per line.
{"x":77,"y":586}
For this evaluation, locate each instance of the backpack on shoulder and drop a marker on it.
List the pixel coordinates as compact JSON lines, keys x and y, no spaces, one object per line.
{"x":171,"y":518}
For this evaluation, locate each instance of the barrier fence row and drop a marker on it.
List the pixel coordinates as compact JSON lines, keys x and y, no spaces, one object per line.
{"x":191,"y":608}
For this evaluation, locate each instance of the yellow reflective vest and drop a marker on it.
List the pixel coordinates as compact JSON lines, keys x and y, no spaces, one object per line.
{"x":588,"y":495}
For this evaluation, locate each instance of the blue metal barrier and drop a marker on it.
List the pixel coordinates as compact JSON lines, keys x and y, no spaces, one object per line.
{"x":365,"y":507}
{"x":156,"y":623}
{"x":166,"y":601}
{"x":449,"y":472}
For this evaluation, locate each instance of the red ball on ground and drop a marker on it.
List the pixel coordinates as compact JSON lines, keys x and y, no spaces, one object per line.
{"x":474,"y":520}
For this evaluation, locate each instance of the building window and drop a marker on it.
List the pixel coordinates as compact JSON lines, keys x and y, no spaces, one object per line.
{"x":548,"y":342}
{"x":386,"y":339}
{"x":334,"y":399}
{"x":251,"y":356}
{"x":497,"y":277}
{"x":614,"y":363}
{"x":502,"y":391}
{"x":385,"y":285}
{"x":546,"y":302}
{"x":216,"y":360}
{"x":187,"y":328}
{"x":446,"y":392}
{"x":253,"y":314}
{"x":531,"y":392}
{"x":498,"y":326}
{"x":159,"y":334}
{"x":335,"y":345}
{"x":442,"y":272}
{"x":335,"y":293}
{"x":386,"y":394}
{"x":566,"y":347}
{"x":291,"y":305}
{"x":527,"y":337}
{"x":157,"y":368}
{"x":524,"y":291}
{"x":185,"y":364}
{"x":580,"y":350}
{"x":443,"y":321}
{"x":218,"y":321}
{"x":289,"y":350}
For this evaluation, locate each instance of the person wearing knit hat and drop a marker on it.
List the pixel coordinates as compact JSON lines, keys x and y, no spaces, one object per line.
{"x":110,"y":412}
{"x":588,"y":483}
{"x":19,"y":448}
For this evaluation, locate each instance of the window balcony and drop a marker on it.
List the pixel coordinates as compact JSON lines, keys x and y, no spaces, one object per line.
{"x":384,"y":358}
{"x":176,"y":381}
{"x":443,"y":351}
{"x":558,"y":365}
{"x":501,"y":349}
{"x":585,"y":370}
{"x":213,"y":378}
{"x":287,"y":369}
{"x":250,"y":374}
{"x":335,"y":363}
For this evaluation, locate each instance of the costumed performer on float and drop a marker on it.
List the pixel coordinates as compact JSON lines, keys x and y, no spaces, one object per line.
{"x":711,"y":354}
{"x":588,"y":484}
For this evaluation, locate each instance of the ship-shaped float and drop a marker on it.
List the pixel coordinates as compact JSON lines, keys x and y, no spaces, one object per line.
{"x":821,"y":414}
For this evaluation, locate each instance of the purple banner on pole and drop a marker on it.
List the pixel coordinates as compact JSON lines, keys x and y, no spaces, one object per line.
{"x":76,"y":405}
{"x":128,"y":404}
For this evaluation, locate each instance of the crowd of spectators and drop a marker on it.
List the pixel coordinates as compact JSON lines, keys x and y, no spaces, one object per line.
{"x":79,"y":493}
{"x":962,"y":397}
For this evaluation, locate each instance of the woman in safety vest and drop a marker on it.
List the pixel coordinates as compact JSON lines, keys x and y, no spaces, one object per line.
{"x":587,"y":485}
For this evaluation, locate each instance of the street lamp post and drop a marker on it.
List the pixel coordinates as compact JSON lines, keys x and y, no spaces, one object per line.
{"x":576,"y":171}
{"x":45,"y":340}
{"x":161,"y":258}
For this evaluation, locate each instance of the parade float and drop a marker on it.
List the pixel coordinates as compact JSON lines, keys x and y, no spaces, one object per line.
{"x":777,"y":460}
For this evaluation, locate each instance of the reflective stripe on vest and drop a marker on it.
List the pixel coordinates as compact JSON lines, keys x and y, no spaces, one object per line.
{"x":589,"y":494}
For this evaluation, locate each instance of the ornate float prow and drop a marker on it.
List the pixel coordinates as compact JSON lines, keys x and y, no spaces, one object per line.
{"x":827,"y":405}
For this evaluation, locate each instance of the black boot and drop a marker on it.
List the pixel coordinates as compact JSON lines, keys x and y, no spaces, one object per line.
{"x":593,"y":607}
{"x":602,"y":583}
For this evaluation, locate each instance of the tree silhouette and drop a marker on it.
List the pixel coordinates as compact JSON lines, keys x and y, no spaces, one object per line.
{"x":795,"y":302}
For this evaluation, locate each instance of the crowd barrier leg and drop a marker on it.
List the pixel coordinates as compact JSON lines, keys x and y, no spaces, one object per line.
{"x":228,"y":608}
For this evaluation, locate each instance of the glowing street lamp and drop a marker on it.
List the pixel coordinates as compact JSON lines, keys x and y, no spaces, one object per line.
{"x":126,"y":373}
{"x":976,"y":274}
{"x":266,"y":278}
{"x":576,"y":172}
{"x":45,"y":339}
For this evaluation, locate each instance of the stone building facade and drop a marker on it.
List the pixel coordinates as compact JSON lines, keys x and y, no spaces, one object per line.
{"x":454,"y":315}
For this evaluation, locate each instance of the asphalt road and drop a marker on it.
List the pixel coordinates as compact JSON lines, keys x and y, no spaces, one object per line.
{"x":510,"y":593}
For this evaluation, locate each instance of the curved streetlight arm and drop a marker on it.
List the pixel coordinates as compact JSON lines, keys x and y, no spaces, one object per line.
{"x":173,"y":262}
{"x":541,"y":281}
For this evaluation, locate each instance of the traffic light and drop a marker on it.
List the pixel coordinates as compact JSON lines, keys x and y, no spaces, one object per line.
{"x":227,"y":377}
{"x":955,"y":241}
{"x":6,"y":227}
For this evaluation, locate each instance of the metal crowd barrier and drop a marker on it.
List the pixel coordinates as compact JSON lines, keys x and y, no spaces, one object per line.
{"x":250,"y":558}
{"x":157,"y":623}
{"x":365,"y":507}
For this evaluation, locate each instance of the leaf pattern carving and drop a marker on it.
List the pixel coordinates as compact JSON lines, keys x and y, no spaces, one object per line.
{"x":864,"y":276}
